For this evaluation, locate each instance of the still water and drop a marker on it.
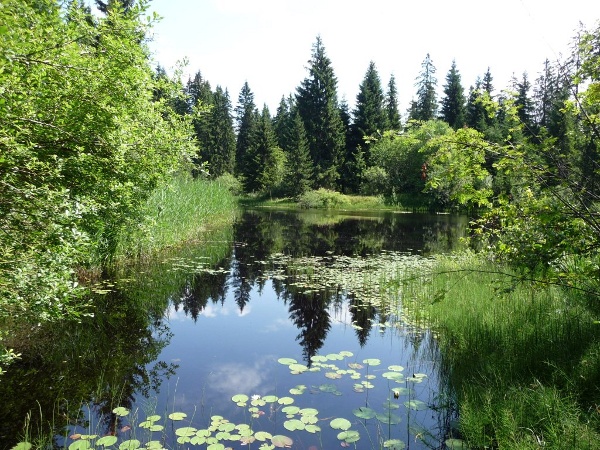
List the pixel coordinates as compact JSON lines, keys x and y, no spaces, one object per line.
{"x":227,"y":334}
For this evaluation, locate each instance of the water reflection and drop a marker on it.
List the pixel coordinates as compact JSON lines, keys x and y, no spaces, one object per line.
{"x":215,"y":319}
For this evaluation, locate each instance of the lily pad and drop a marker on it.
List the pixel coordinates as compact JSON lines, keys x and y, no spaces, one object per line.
{"x":270,"y":398}
{"x":309,"y":412}
{"x":281,"y":441}
{"x":285,"y":401}
{"x":340,"y":424}
{"x":396,"y":376}
{"x":395,"y":368}
{"x":177,"y":416}
{"x":121,"y":411}
{"x":394,"y":444}
{"x":291,"y":410}
{"x":318,"y":358}
{"x":416,"y":405}
{"x":186,"y":431}
{"x":297,"y":368}
{"x":349,"y":436}
{"x":388,"y":418}
{"x":154,"y":445}
{"x":217,"y":446}
{"x":346,"y":354}
{"x":286,"y":361}
{"x":80,"y":445}
{"x":240,"y":398}
{"x":131,"y":444}
{"x":262,"y":435}
{"x":294,"y":424}
{"x":364,"y":413}
{"x":372,"y":361}
{"x":106,"y":441}
{"x":312,"y":428}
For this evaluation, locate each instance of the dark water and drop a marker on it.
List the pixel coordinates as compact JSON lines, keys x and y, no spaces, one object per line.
{"x":210,"y":322}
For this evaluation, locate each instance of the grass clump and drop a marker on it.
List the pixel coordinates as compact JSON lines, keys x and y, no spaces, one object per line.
{"x":327,"y":199}
{"x":522,"y":359}
{"x":179,"y":213}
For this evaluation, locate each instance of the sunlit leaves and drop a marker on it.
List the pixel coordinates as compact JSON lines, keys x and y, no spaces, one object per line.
{"x":121,"y":411}
{"x":340,"y":424}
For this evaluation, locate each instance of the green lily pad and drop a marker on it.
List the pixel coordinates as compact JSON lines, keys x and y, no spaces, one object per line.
{"x":388,"y":418}
{"x":286,"y":361}
{"x":340,"y":424}
{"x":318,"y":358}
{"x":240,"y":398}
{"x":262,"y":435}
{"x":186,"y":431}
{"x":153,"y":418}
{"x":155,"y":428}
{"x":394,"y":444}
{"x":416,"y":405}
{"x":121,"y":411}
{"x":22,"y":446}
{"x":346,"y":354}
{"x":217,"y":446}
{"x":131,"y":444}
{"x":227,"y":427}
{"x":177,"y":416}
{"x":154,"y":445}
{"x":395,"y":368}
{"x":372,"y":361}
{"x":330,"y":388}
{"x":312,"y":428}
{"x":106,"y":441}
{"x":80,"y":445}
{"x":297,"y":368}
{"x":290,"y":410}
{"x":349,"y":436}
{"x":281,"y":441}
{"x":309,"y":412}
{"x":364,"y":413}
{"x":356,"y":366}
{"x":396,"y":376}
{"x":270,"y":398}
{"x":294,"y":424}
{"x":285,"y":401}
{"x":334,"y":357}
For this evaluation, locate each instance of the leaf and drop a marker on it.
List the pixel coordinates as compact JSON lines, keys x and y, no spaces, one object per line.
{"x":340,"y":424}
{"x":121,"y":411}
{"x":364,"y":413}
{"x":394,"y":444}
{"x":285,"y":401}
{"x":107,"y":441}
{"x":240,"y":398}
{"x":217,"y":446}
{"x":281,"y":441}
{"x":294,"y":424}
{"x":372,"y":361}
{"x":186,"y":431}
{"x":286,"y":361}
{"x":416,"y":405}
{"x":177,"y":416}
{"x":388,"y":418}
{"x":80,"y":445}
{"x":349,"y":436}
{"x":262,"y":435}
{"x":131,"y":444}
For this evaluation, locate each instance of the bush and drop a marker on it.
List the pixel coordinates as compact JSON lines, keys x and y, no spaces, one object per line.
{"x":323,"y":198}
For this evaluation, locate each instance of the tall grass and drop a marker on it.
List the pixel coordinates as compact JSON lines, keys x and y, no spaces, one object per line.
{"x":178,"y":214}
{"x":522,"y":360}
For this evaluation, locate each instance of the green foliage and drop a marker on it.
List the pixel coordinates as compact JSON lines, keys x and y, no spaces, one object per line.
{"x":453,"y":104}
{"x":402,"y":156}
{"x":83,"y":144}
{"x":322,"y":198}
{"x":425,"y":106}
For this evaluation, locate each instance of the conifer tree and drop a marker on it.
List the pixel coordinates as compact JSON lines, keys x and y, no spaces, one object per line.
{"x":391,"y":105}
{"x":283,"y":122}
{"x":219,"y":152}
{"x":425,"y":106}
{"x":266,"y":161}
{"x":369,"y":115}
{"x":453,"y":104}
{"x":300,"y":168}
{"x":524,"y":105}
{"x":246,"y":116}
{"x":317,"y":102}
{"x":105,"y":6}
{"x":200,"y":97}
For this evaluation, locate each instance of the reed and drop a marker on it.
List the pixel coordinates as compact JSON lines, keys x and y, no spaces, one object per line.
{"x":521,"y":358}
{"x":178,"y":214}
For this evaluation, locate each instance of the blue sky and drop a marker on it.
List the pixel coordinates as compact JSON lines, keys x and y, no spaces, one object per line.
{"x":268,"y":42}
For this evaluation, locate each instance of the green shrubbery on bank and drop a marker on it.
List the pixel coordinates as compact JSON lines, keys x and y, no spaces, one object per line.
{"x":522,"y":358}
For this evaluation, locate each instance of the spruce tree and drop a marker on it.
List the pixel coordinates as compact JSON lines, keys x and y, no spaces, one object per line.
{"x":246,"y":116}
{"x":453,"y":104}
{"x":220,"y":150}
{"x":524,"y":105}
{"x":369,"y":115}
{"x":299,"y":163}
{"x":283,"y":122}
{"x":425,"y":106}
{"x":391,"y":105}
{"x":317,"y":102}
{"x":200,"y":97}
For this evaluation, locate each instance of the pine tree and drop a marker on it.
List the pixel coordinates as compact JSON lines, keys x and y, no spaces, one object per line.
{"x":200,"y":97}
{"x":544,"y":93}
{"x":453,"y":103}
{"x":246,"y":116}
{"x":316,"y":98}
{"x":391,"y":105}
{"x":266,"y":161}
{"x":487,"y":85}
{"x":425,"y":107}
{"x":369,"y":115}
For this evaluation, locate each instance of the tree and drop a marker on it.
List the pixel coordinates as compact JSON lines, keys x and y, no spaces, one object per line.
{"x":219,"y":151}
{"x":106,"y":6}
{"x":524,"y":105}
{"x":300,"y":169}
{"x":283,"y":122}
{"x":200,"y":98}
{"x":369,"y":115}
{"x":425,"y":107}
{"x":317,"y":102}
{"x":246,"y":116}
{"x":391,"y":105}
{"x":453,"y":103}
{"x":83,"y":143}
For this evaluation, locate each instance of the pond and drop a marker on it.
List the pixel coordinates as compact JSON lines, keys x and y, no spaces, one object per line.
{"x":278,"y":332}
